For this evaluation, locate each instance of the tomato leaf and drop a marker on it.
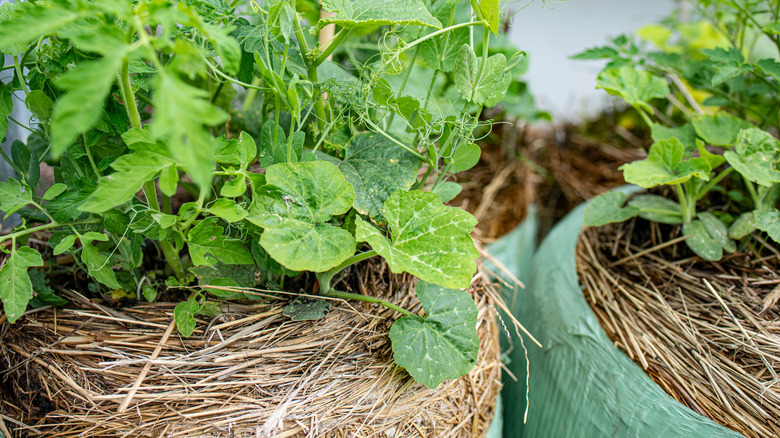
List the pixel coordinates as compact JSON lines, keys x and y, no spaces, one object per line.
{"x":180,"y":113}
{"x":13,"y":196}
{"x":207,"y":244}
{"x":15,"y":286}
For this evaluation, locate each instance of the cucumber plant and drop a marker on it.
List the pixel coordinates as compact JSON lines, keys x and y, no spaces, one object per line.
{"x":220,"y":135}
{"x":709,"y":90}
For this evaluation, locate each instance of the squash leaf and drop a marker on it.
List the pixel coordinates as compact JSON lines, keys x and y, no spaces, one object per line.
{"x":355,"y":13}
{"x":428,"y":239}
{"x":294,"y":209}
{"x":442,"y":345}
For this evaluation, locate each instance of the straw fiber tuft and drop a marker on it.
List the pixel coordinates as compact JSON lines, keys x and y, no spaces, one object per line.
{"x":251,"y":372}
{"x":707,"y":333}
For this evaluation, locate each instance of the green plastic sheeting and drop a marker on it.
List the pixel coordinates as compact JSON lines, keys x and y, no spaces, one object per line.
{"x":581,"y":385}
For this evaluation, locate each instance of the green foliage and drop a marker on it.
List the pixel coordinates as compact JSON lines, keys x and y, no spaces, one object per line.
{"x":714,"y":122}
{"x":427,"y":239}
{"x":442,"y":345}
{"x":232,"y":146}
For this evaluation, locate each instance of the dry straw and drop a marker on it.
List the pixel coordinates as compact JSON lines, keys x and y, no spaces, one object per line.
{"x":251,"y":372}
{"x":707,"y":333}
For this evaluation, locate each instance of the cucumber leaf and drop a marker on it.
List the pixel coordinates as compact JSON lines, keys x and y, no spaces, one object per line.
{"x":657,"y":209}
{"x":428,"y":239}
{"x":442,"y":345}
{"x":717,"y":230}
{"x":294,"y":209}
{"x":755,"y":156}
{"x":15,"y":286}
{"x":720,"y":129}
{"x":700,"y":241}
{"x":608,"y":208}
{"x":636,"y":87}
{"x":742,"y":226}
{"x":768,"y":222}
{"x":665,"y":165}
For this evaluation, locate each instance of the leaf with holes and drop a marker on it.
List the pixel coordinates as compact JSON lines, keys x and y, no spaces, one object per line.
{"x":442,"y":345}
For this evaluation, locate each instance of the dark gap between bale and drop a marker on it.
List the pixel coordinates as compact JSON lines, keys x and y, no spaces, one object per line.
{"x":707,"y":333}
{"x":249,"y":372}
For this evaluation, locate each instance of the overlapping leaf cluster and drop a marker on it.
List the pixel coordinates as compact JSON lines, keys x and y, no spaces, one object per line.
{"x":229,"y":144}
{"x":709,"y":90}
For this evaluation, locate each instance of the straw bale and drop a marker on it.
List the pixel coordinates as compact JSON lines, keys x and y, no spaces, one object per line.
{"x":250,"y":372}
{"x":707,"y":333}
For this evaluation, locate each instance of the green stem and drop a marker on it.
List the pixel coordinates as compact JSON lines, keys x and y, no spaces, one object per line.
{"x":19,"y":75}
{"x":89,"y":156}
{"x":325,"y":278}
{"x":198,"y":209}
{"x":151,"y":195}
{"x":332,"y":45}
{"x":304,"y":45}
{"x":704,"y":190}
{"x":684,"y":204}
{"x":290,"y":140}
{"x":47,"y":227}
{"x":219,"y":73}
{"x":319,"y":106}
{"x":753,"y":195}
{"x":173,"y":259}
{"x":485,"y":48}
{"x":403,"y":85}
{"x":648,"y":121}
{"x":251,"y":94}
{"x":389,"y":137}
{"x":127,"y":95}
{"x":367,"y":299}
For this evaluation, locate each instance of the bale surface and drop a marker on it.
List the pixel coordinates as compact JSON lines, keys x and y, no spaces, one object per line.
{"x":249,"y":372}
{"x":706,"y":332}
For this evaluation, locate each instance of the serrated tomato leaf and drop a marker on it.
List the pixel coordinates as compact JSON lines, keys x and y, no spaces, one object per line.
{"x":442,"y":345}
{"x":180,"y":113}
{"x":131,"y":171}
{"x":15,"y":285}
{"x":428,"y":239}
{"x":13,"y":196}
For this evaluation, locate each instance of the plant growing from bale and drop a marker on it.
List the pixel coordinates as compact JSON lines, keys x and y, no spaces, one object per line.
{"x":710,"y":93}
{"x":288,"y":163}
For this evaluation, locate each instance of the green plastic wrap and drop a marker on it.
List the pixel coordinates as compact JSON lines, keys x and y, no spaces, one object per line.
{"x":581,"y":385}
